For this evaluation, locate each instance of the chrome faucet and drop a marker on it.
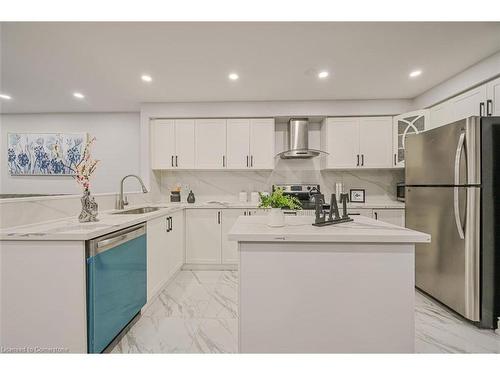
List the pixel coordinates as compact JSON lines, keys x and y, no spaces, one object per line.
{"x":122,"y":201}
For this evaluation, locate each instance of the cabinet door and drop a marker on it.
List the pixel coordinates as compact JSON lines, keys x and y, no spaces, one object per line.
{"x":184,"y":144}
{"x":157,"y":255}
{"x":162,"y":139}
{"x":342,"y":143}
{"x":367,"y":212}
{"x":210,"y":144}
{"x":262,"y":142}
{"x":408,"y":123}
{"x":440,"y":115}
{"x":203,"y":236}
{"x":375,"y":142}
{"x":470,"y":103}
{"x":176,"y":242}
{"x":391,"y":216}
{"x":238,"y":143}
{"x":493,"y":93}
{"x":230,"y":248}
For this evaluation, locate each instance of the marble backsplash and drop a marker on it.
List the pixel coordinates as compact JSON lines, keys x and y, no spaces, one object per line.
{"x":379,"y":184}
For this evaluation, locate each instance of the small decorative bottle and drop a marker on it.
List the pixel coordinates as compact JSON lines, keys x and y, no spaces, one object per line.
{"x":190,"y":198}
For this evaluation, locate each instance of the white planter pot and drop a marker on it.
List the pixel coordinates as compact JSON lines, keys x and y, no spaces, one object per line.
{"x":276,"y":218}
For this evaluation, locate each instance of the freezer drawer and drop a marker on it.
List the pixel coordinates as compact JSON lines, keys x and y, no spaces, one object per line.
{"x":448,"y":155}
{"x":447,"y":268}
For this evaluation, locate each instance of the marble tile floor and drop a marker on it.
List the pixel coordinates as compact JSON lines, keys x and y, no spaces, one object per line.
{"x":197,"y":313}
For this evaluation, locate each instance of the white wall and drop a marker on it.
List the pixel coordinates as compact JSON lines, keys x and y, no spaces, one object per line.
{"x":117,"y":148}
{"x":481,"y":72}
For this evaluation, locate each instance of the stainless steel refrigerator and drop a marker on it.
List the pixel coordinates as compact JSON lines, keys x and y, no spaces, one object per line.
{"x":452,"y":184}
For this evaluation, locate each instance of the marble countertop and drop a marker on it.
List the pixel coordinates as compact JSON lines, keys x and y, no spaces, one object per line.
{"x":69,"y":229}
{"x":299,"y":229}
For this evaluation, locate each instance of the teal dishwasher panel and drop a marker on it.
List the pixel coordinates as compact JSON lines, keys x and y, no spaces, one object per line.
{"x":116,"y":291}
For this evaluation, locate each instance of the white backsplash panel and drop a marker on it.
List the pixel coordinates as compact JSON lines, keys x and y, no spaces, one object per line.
{"x":380,"y":185}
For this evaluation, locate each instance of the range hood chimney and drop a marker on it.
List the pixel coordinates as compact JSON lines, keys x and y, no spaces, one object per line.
{"x":298,"y":140}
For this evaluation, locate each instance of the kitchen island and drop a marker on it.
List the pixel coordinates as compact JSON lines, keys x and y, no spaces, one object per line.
{"x":342,"y":288}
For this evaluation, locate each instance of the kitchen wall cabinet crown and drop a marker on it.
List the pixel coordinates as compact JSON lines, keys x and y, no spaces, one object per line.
{"x":357,"y":142}
{"x":213,"y":144}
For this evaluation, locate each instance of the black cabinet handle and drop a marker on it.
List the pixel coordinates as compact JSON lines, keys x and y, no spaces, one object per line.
{"x":247,"y":162}
{"x":481,"y":108}
{"x":176,"y":161}
{"x":357,"y":165}
{"x":251,"y":161}
{"x":169,"y":223}
{"x":489,"y":106}
{"x":223,"y":160}
{"x":218,"y":217}
{"x":172,"y":161}
{"x":362,"y":160}
{"x":376,"y":215}
{"x":395,"y":160}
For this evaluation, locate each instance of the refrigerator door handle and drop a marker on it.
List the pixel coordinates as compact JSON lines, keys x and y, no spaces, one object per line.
{"x":456,"y":207}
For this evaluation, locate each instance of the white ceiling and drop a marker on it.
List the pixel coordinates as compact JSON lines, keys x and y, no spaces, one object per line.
{"x":44,"y":63}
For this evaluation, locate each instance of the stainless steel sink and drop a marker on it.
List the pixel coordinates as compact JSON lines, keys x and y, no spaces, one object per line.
{"x":137,"y":211}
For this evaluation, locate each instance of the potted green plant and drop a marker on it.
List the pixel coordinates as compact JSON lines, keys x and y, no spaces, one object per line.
{"x":277,"y":201}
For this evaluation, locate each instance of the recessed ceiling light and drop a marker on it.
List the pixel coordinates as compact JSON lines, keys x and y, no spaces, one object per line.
{"x":146,"y":78}
{"x":5,"y":96}
{"x":78,"y":95}
{"x":323,"y":74}
{"x":233,"y":76}
{"x":415,"y":73}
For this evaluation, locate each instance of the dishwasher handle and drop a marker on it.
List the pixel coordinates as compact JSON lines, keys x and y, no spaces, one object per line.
{"x":112,"y":240}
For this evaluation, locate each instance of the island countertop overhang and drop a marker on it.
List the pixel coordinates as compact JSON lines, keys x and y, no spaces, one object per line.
{"x":300,"y":229}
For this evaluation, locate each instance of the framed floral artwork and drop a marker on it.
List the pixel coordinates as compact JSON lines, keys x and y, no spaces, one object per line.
{"x":44,"y":154}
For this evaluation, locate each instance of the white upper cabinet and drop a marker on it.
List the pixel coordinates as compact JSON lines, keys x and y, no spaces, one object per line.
{"x":341,"y":137}
{"x":238,"y":143}
{"x":262,"y":143}
{"x":250,"y":144}
{"x":172,"y":144}
{"x":408,"y":123}
{"x":440,"y":115}
{"x":470,"y":103}
{"x":493,"y":98}
{"x":375,"y":142}
{"x":184,"y":144}
{"x":210,"y":144}
{"x":357,"y":142}
{"x":162,"y":144}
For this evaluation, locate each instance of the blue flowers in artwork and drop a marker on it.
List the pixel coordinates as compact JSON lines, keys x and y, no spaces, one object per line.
{"x":44,"y":154}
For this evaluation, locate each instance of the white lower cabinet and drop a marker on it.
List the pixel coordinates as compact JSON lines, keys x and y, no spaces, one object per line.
{"x":165,"y":250}
{"x":368,"y":212}
{"x":157,"y":255}
{"x":229,"y":249}
{"x":206,"y":235}
{"x":391,"y":216}
{"x":203,"y":236}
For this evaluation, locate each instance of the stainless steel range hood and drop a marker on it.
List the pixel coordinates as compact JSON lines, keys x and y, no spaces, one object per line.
{"x":298,"y":141}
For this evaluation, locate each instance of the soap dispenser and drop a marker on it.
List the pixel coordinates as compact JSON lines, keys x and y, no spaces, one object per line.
{"x":190,"y":198}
